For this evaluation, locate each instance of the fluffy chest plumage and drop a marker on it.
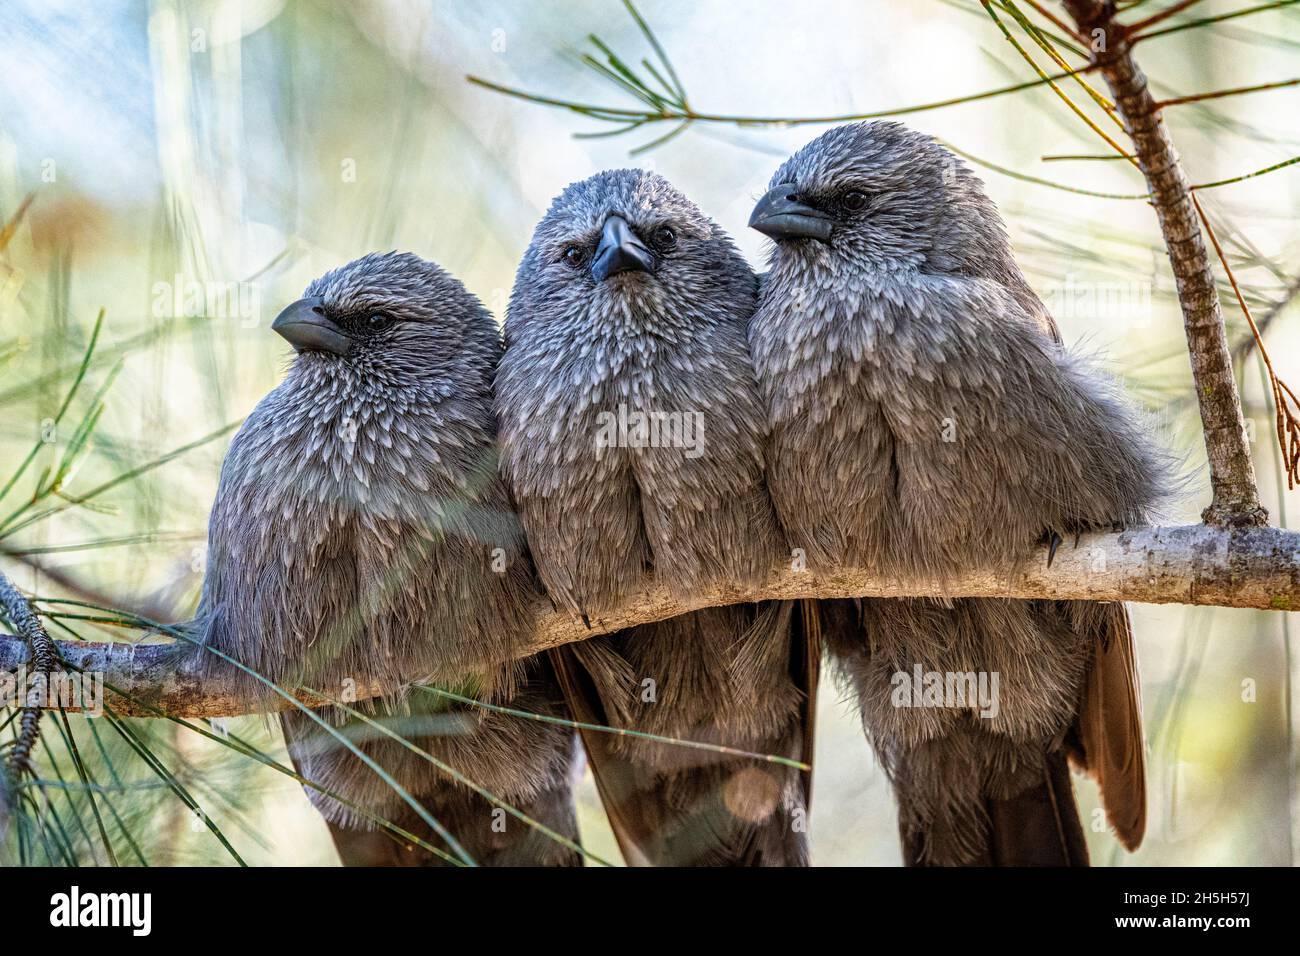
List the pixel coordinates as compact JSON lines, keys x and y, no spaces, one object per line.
{"x":564,"y":386}
{"x":319,"y":468}
{"x":909,"y":346}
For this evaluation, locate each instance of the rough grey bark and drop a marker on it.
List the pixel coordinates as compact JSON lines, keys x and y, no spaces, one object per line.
{"x":1195,"y":564}
{"x":1232,"y":474}
{"x":43,"y":654}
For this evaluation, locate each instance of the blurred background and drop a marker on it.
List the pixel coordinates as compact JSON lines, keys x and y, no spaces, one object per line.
{"x":191,"y":166}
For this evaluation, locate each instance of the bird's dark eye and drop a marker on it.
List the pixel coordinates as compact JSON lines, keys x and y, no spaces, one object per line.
{"x":665,"y":238}
{"x":855,"y":200}
{"x":574,"y":257}
{"x":378,"y":321}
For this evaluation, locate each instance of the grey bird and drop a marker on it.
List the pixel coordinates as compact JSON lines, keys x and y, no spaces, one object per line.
{"x":361,"y":536}
{"x":632,"y":437}
{"x":926,"y":420}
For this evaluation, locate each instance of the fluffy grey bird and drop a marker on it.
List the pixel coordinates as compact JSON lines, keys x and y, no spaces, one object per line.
{"x":926,"y":419}
{"x":632,"y":433}
{"x":361,"y":536}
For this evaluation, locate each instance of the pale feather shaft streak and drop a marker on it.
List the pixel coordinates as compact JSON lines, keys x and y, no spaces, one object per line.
{"x":1194,"y":564}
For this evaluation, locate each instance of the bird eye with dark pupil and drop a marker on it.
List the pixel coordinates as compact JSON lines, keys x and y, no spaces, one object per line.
{"x":574,"y":256}
{"x":378,"y":321}
{"x":665,"y":238}
{"x":855,"y":200}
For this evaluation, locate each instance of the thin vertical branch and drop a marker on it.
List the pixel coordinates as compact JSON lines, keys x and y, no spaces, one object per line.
{"x":1232,"y":474}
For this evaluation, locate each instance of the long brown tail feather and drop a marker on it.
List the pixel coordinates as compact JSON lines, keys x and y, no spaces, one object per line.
{"x":807,"y":671}
{"x":465,"y":816}
{"x":693,"y":816}
{"x":584,"y":704}
{"x":1039,"y":826}
{"x":1108,"y":732}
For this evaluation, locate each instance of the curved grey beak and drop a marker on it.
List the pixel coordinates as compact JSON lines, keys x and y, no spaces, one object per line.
{"x":620,"y":251}
{"x":779,"y":214}
{"x":306,"y":327}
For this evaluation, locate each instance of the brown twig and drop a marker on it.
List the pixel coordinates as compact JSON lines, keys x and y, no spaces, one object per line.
{"x":1232,"y":473}
{"x":1057,"y":21}
{"x":1219,"y":94}
{"x":1205,"y":21}
{"x":1164,"y":14}
{"x":1288,"y":426}
{"x":1241,"y":351}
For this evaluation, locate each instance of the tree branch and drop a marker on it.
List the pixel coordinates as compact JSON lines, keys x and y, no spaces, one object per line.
{"x":43,"y":654}
{"x":1197,"y":564}
{"x":1232,"y":474}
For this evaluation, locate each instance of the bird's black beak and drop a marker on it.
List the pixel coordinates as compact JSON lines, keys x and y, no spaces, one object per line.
{"x":305,"y":326}
{"x":620,"y":251}
{"x":780,"y":215}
